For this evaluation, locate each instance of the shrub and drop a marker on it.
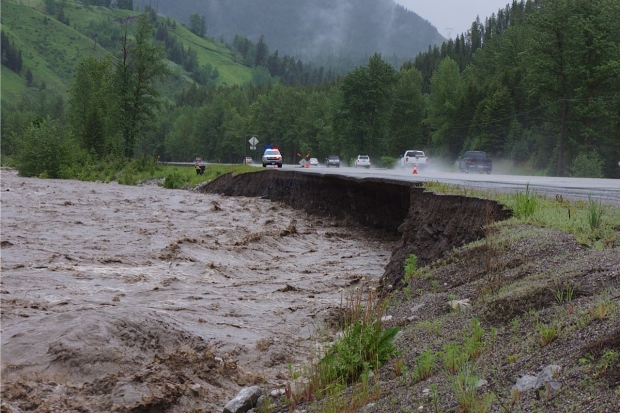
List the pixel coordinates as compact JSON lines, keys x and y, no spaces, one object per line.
{"x":424,"y":365}
{"x":411,"y":266}
{"x":46,"y":149}
{"x":453,"y":357}
{"x":387,"y":162}
{"x":587,"y":165}
{"x":173,"y":181}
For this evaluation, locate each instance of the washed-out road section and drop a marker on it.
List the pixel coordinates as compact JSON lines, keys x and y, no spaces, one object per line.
{"x":118,"y":298}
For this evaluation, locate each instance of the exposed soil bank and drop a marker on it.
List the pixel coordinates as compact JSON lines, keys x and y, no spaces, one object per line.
{"x":430,"y":225}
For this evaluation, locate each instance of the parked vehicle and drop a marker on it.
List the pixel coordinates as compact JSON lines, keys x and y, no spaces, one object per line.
{"x":314,"y":162}
{"x":272,"y":156}
{"x":333,"y":160}
{"x":248,"y":160}
{"x":414,"y":157}
{"x":362,"y":161}
{"x":477,"y":161}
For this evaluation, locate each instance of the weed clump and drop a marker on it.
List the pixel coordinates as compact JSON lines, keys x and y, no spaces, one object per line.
{"x":525,"y":203}
{"x":364,"y":344}
{"x":596,"y":210}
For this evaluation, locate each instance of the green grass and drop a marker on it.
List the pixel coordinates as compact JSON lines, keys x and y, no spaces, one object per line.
{"x":52,"y":50}
{"x":138,"y":171}
{"x":189,"y":178}
{"x":215,"y":54}
{"x":573,"y":217}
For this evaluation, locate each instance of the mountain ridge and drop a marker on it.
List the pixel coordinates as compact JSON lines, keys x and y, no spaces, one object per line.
{"x":314,"y":28}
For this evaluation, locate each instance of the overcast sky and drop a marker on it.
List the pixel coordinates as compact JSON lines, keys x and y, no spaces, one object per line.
{"x":455,"y":14}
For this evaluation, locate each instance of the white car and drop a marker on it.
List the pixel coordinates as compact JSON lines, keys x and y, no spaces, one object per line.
{"x":413,"y":158}
{"x":272,"y":156}
{"x":362,"y":161}
{"x":314,"y":162}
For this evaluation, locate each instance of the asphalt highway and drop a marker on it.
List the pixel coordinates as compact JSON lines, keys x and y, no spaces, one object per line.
{"x":605,"y":190}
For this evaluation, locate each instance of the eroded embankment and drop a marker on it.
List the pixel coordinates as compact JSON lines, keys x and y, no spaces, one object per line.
{"x":429,"y":224}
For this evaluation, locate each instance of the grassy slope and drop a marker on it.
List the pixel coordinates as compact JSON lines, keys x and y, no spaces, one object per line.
{"x":546,"y":290}
{"x":215,"y":54}
{"x":542,"y":299}
{"x":52,"y":50}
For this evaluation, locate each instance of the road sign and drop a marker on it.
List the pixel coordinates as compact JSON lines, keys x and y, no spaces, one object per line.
{"x":252,"y":148}
{"x":253,"y":141}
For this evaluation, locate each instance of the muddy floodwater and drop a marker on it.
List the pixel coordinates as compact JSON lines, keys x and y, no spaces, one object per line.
{"x":126,"y":298}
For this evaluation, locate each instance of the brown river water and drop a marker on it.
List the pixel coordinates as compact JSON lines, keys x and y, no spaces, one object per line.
{"x":121,"y":297}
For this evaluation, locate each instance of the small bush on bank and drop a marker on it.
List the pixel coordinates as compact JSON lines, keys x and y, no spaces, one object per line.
{"x":411,"y":266}
{"x":173,"y":181}
{"x":46,"y":150}
{"x":387,"y":162}
{"x":587,"y":165}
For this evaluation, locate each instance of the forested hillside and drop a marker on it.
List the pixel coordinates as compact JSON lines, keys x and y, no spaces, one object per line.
{"x":537,"y":82}
{"x":53,"y":36}
{"x":536,"y":85}
{"x":324,"y":31}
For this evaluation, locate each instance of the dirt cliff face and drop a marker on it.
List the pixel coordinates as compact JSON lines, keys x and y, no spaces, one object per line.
{"x":430,"y":225}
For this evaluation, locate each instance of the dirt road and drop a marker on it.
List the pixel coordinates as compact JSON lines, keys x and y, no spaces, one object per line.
{"x":130,"y":298}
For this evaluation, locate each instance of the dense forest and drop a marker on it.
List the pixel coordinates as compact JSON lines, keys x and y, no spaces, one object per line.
{"x":537,"y":84}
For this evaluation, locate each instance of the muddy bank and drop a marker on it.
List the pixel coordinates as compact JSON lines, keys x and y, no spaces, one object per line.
{"x":429,"y":225}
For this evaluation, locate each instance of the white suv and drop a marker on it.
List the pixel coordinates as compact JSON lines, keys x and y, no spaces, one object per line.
{"x":272,"y":157}
{"x":362,"y":161}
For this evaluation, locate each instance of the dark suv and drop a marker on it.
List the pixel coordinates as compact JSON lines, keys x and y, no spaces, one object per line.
{"x":475,"y":161}
{"x":333,"y":160}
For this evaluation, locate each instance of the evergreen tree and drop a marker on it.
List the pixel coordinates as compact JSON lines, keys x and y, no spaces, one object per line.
{"x":443,"y":112}
{"x":124,"y":4}
{"x":197,"y":25}
{"x":29,"y":78}
{"x":90,"y":100}
{"x":407,"y":130}
{"x":262,"y":53}
{"x":366,"y":106}
{"x":50,"y":7}
{"x":140,"y":67}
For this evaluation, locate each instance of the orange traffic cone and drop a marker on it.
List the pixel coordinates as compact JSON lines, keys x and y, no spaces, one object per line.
{"x":307,"y":164}
{"x":415,"y":169}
